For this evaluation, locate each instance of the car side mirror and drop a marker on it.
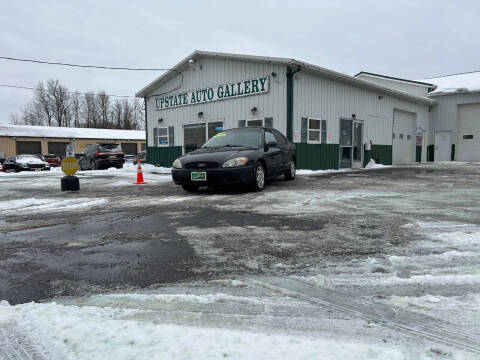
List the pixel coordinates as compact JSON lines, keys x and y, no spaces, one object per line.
{"x":270,"y":144}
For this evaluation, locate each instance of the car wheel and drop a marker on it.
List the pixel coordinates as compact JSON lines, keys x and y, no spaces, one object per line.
{"x":259,"y":177}
{"x":190,"y":187}
{"x":94,"y":165}
{"x":290,"y":173}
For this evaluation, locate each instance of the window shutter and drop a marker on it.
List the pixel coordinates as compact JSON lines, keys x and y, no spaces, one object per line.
{"x":171,"y":136}
{"x":304,"y":130}
{"x":155,"y":136}
{"x":241,"y":123}
{"x":269,"y":122}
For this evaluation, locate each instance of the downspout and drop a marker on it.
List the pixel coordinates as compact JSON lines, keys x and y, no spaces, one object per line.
{"x":146,"y":127}
{"x":290,"y":73}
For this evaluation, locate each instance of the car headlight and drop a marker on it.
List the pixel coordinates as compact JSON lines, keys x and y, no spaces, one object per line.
{"x":235,"y":162}
{"x":25,"y":165}
{"x":177,"y":164}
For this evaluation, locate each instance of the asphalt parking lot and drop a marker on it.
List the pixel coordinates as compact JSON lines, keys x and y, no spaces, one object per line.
{"x":369,"y":243}
{"x":130,"y":236}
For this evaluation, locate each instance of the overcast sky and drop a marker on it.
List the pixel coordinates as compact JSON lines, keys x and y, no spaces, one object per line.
{"x":411,"y":39}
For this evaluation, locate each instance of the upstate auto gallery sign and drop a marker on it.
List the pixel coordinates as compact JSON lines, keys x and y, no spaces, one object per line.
{"x":254,"y":86}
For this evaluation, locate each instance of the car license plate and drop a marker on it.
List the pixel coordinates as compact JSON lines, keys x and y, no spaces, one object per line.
{"x":198,"y":176}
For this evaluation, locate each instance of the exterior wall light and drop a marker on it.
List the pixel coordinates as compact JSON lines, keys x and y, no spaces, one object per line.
{"x":160,"y":120}
{"x":253,"y":110}
{"x":354,"y":116}
{"x":200,"y":114}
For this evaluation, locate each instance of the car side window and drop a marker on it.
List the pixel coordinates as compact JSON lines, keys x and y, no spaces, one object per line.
{"x":269,"y":137}
{"x":281,"y":141}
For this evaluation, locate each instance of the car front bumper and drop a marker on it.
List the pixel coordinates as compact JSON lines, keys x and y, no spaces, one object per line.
{"x":216,"y":177}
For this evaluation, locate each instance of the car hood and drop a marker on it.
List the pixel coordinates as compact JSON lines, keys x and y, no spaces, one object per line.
{"x":218,"y":155}
{"x":31,"y":160}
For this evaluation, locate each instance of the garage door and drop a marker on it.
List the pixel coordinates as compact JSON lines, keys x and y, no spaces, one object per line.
{"x":129,"y":148}
{"x":468,"y":133}
{"x":57,"y":148}
{"x":404,"y":132}
{"x":29,"y":147}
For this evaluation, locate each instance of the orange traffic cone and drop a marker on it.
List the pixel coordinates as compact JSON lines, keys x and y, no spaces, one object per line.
{"x":139,"y":174}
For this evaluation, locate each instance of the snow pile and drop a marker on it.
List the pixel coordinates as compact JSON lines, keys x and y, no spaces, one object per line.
{"x":373,"y":165}
{"x":457,"y":83}
{"x":320,"y":172}
{"x":111,"y":333}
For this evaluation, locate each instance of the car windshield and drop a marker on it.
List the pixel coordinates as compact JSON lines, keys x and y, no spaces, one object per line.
{"x":246,"y":138}
{"x":110,"y":148}
{"x":50,"y":156}
{"x":27,"y":157}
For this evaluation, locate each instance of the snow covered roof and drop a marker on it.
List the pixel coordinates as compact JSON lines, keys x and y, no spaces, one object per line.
{"x":456,"y":83}
{"x":70,"y":133}
{"x":183,"y":65}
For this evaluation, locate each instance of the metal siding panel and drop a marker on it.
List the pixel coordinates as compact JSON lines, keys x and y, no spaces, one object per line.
{"x":319,"y":97}
{"x":217,"y":71}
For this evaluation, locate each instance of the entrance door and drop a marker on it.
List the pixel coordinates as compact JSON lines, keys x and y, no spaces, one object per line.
{"x":443,"y":146}
{"x":346,"y":143}
{"x":403,"y":137}
{"x":351,"y":142}
{"x":357,"y":144}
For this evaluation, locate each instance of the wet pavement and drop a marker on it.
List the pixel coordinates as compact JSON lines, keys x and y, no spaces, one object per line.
{"x":128,"y":237}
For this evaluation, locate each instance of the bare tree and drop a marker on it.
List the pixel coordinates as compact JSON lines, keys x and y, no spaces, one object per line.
{"x":59,"y":98}
{"x":103,"y":108}
{"x":89,"y":111}
{"x":116,"y":114}
{"x":42,"y":98}
{"x":54,"y":105}
{"x":75,"y":108}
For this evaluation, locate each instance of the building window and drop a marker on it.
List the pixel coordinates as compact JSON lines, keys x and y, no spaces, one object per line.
{"x":255,"y":122}
{"x":163,"y":136}
{"x":400,"y":136}
{"x":409,"y":137}
{"x":468,"y":137}
{"x":317,"y":131}
{"x":393,"y":136}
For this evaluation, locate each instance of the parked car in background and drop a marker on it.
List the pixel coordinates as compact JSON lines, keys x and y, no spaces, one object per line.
{"x":52,"y":159}
{"x":141,"y":156}
{"x":102,"y":156}
{"x":247,"y":156}
{"x":130,"y":158}
{"x":25,"y":163}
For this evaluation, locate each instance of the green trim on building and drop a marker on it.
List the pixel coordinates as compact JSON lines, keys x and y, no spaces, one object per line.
{"x":163,"y":156}
{"x":290,"y":74}
{"x":317,"y":156}
{"x":418,"y":154}
{"x":380,"y":153}
{"x":431,"y":153}
{"x":146,"y":124}
{"x":453,"y":152}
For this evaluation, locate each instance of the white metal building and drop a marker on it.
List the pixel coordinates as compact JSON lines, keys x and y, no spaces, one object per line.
{"x":454,"y":132}
{"x":328,"y":115}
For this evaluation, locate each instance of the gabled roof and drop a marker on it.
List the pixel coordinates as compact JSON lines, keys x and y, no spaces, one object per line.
{"x":317,"y":70}
{"x":456,"y":83}
{"x":416,"y":82}
{"x":70,"y":133}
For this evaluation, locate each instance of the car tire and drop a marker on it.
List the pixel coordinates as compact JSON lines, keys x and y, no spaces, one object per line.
{"x":119,"y":166}
{"x":94,"y":165}
{"x":190,"y":187}
{"x":291,"y":172}
{"x":260,"y":177}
